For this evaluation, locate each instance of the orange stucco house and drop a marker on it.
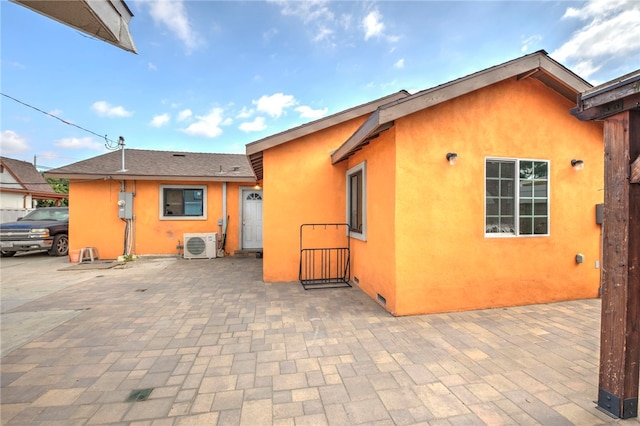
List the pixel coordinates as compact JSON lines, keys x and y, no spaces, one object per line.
{"x":464,"y":196}
{"x":143,"y":202}
{"x":478,"y":193}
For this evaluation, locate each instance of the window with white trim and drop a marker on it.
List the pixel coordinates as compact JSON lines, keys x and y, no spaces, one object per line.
{"x":356,"y":200}
{"x":516,"y":197}
{"x":180,"y":202}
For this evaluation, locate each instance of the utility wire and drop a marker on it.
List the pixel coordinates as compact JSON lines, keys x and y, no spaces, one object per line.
{"x":58,"y":118}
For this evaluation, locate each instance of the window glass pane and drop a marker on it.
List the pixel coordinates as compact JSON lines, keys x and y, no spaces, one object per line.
{"x":493,"y":186}
{"x":493,"y":169}
{"x":355,"y":196}
{"x":540,"y":208}
{"x":492,"y":206}
{"x":173,"y":202}
{"x":541,"y":169}
{"x":507,"y":169}
{"x":540,"y":225}
{"x":506,"y":207}
{"x":540,"y":189}
{"x":526,"y":226}
{"x":183,"y":201}
{"x":506,"y":188}
{"x":525,"y":189}
{"x":526,"y":169}
{"x":526,"y":207}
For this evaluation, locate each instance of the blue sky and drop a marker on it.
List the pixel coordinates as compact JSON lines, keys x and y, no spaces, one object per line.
{"x":212,"y":76}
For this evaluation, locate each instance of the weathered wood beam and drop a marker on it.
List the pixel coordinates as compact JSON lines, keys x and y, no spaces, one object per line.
{"x":620,"y":335}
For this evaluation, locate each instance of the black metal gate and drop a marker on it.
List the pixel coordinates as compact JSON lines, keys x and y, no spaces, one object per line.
{"x":324,"y":255}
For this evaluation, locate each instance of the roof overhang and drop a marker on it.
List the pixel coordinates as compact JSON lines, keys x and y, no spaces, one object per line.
{"x":118,"y":176}
{"x":254,"y":150}
{"x":613,"y":97}
{"x":536,"y":65}
{"x":107,"y":20}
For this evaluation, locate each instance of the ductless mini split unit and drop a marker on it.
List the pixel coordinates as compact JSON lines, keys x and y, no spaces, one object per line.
{"x":200,"y":245}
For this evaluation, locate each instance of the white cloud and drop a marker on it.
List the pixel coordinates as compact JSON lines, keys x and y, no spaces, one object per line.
{"x":12,"y":143}
{"x":256,"y":125}
{"x":323,"y":33}
{"x":609,"y":37}
{"x":184,"y":114}
{"x":529,"y":42}
{"x":245,"y":113}
{"x":208,"y":125}
{"x":173,"y":15}
{"x":160,"y":120}
{"x":104,"y":109}
{"x":308,"y":10}
{"x":275,"y":104}
{"x":152,"y":67}
{"x":308,"y":112}
{"x":373,"y":25}
{"x":79,"y":143}
{"x":399,"y":64}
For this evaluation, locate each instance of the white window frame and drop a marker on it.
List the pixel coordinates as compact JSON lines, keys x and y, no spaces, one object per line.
{"x":362,"y":167}
{"x":161,"y":202}
{"x":516,"y":234}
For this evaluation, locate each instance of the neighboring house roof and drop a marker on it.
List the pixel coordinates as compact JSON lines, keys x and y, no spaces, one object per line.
{"x":28,"y":180}
{"x":254,"y":149}
{"x":105,"y":20}
{"x":536,"y":65}
{"x":140,"y":164}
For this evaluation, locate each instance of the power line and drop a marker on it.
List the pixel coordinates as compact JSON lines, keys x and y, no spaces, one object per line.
{"x":58,"y":118}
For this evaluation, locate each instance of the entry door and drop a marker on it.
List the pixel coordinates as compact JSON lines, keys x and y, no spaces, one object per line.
{"x":251,"y":219}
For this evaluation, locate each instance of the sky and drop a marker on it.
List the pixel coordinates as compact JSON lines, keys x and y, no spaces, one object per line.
{"x":213,"y":76}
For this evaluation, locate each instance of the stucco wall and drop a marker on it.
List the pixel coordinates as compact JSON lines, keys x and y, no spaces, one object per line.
{"x":301,"y":186}
{"x":94,"y":217}
{"x":374,"y":260}
{"x":444,"y":261}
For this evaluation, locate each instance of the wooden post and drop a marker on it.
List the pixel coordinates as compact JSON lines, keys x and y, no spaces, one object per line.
{"x":620,"y":338}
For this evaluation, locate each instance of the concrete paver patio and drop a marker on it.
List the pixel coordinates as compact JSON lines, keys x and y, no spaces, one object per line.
{"x":218,"y":346}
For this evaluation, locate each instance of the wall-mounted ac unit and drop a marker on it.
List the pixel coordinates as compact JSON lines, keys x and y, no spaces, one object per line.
{"x":200,"y":246}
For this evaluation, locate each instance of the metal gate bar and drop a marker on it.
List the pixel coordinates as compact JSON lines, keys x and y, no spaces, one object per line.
{"x":324,"y":267}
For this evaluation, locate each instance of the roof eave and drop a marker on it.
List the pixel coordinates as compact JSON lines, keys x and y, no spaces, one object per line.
{"x":105,"y":20}
{"x":536,"y":65}
{"x":124,"y":176}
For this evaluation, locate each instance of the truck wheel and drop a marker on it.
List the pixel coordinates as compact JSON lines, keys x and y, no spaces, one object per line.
{"x":7,"y":253}
{"x":60,"y":245}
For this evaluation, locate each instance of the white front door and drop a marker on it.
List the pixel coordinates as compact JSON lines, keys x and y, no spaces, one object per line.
{"x":251,"y":219}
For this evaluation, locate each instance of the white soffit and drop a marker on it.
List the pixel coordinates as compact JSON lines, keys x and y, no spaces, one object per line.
{"x":107,"y":20}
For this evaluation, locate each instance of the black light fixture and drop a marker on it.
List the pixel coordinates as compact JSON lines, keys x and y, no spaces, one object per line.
{"x":577,"y":164}
{"x":452,"y":157}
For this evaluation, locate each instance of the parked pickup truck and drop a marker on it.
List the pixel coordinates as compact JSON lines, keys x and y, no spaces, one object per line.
{"x":46,"y":228}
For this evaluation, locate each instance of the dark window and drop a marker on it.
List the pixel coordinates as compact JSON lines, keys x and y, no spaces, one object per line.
{"x":183,"y":201}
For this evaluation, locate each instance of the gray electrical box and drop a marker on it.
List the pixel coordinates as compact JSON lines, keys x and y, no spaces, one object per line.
{"x":599,"y":214}
{"x":125,"y":205}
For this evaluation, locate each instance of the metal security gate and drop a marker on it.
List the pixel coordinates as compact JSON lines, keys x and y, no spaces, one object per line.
{"x":324,"y":255}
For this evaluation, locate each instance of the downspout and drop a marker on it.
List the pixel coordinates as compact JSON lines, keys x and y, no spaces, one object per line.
{"x":224,"y":206}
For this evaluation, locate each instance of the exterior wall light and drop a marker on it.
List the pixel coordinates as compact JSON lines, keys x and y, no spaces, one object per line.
{"x":577,"y":164}
{"x":452,"y":157}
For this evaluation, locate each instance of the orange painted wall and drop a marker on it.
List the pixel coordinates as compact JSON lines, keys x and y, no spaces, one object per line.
{"x":94,"y":217}
{"x":300,"y":186}
{"x":374,"y":260}
{"x":426,"y":250}
{"x":444,"y":262}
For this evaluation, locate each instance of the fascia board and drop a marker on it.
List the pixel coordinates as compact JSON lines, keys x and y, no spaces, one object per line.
{"x":116,"y":176}
{"x":321,"y":124}
{"x":363,"y":132}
